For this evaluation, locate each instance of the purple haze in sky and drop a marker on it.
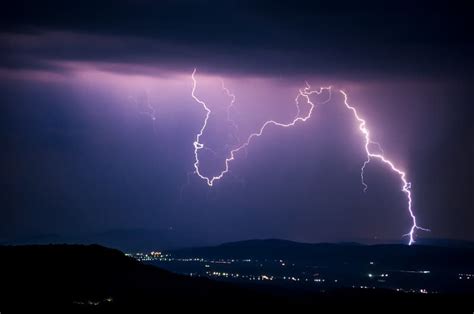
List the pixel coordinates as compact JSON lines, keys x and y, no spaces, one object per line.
{"x":98,"y":126}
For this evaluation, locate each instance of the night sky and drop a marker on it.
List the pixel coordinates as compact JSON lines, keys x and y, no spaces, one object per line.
{"x":81,"y":153}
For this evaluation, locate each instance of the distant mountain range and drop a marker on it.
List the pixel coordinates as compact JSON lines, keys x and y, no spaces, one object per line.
{"x":142,"y":240}
{"x":445,"y":242}
{"x":396,"y":256}
{"x":127,"y":240}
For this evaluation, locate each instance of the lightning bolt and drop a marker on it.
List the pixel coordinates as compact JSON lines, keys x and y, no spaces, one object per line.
{"x":149,"y":111}
{"x":304,"y":92}
{"x":406,"y":186}
{"x":230,"y":107}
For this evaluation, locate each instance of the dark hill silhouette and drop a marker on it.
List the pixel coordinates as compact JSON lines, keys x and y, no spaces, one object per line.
{"x":64,"y":275}
{"x":78,"y":278}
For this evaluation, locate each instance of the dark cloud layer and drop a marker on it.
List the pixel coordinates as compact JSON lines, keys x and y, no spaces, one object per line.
{"x":371,"y":38}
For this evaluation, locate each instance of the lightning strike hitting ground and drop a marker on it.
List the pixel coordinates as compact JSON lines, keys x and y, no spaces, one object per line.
{"x":406,"y":186}
{"x":305,"y":92}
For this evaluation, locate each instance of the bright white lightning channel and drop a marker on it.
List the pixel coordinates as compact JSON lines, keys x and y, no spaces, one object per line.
{"x":406,"y":186}
{"x":305,"y":92}
{"x":198,"y":145}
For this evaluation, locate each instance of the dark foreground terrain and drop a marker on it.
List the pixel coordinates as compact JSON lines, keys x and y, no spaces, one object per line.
{"x":77,"y":278}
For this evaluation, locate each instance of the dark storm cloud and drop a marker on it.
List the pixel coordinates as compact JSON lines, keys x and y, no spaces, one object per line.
{"x":275,"y":37}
